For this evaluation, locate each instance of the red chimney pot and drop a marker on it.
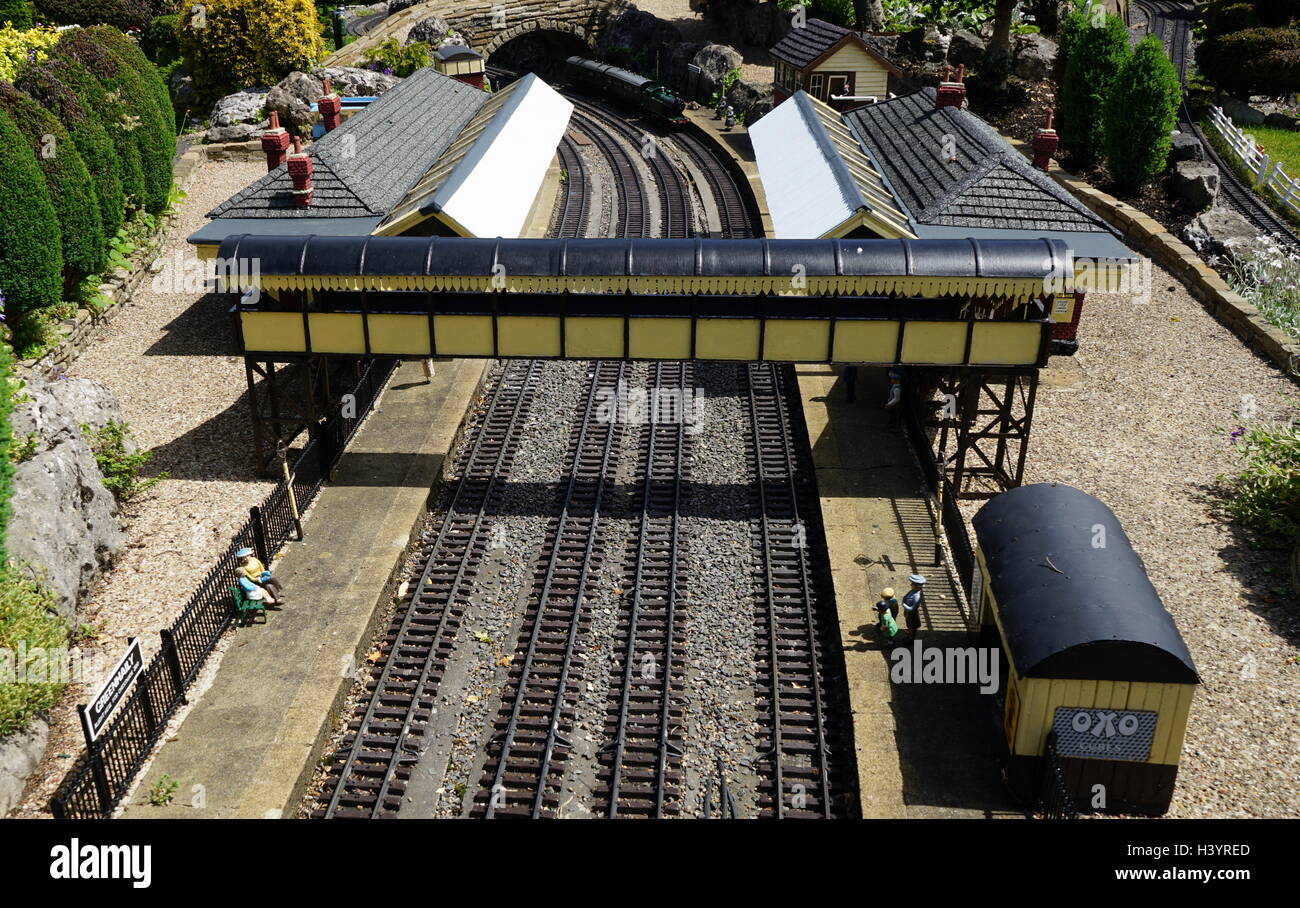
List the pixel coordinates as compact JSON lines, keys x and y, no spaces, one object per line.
{"x":1045,"y":143}
{"x":275,"y":141}
{"x":300,"y":169}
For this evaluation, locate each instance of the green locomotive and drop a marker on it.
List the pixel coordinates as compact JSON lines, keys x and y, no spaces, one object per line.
{"x":640,"y":91}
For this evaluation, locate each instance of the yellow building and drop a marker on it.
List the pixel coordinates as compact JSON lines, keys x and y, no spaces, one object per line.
{"x":833,"y":64}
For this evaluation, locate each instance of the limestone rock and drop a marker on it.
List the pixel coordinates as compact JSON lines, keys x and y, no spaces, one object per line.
{"x":240,"y":132}
{"x":752,"y":100}
{"x":1032,"y":57}
{"x":19,"y":755}
{"x":241,"y":107}
{"x":1185,"y":147}
{"x":431,"y":31}
{"x":1195,"y":184}
{"x":182,"y":89}
{"x":639,"y":30}
{"x":924,"y":44}
{"x":1279,"y":120}
{"x":351,"y":82}
{"x":965,"y":47}
{"x":1241,"y":113}
{"x":715,"y":61}
{"x":292,"y":99}
{"x":1220,"y":231}
{"x":63,"y":529}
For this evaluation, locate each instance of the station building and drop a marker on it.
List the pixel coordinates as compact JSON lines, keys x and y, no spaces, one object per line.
{"x":833,"y":64}
{"x":433,"y":156}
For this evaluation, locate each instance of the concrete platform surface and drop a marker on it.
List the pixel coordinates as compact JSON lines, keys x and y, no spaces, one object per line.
{"x":735,"y":143}
{"x":252,"y":738}
{"x":923,"y":750}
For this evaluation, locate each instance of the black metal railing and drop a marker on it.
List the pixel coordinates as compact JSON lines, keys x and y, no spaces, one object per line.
{"x":1054,"y":799}
{"x":105,"y":773}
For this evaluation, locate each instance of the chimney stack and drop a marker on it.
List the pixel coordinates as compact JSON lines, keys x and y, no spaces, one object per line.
{"x":951,"y":93}
{"x":275,"y":141}
{"x":329,"y":106}
{"x":300,"y":168}
{"x":1045,"y":143}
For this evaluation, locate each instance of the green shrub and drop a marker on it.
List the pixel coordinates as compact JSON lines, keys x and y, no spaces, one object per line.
{"x":1266,"y":493}
{"x":121,"y":469}
{"x":234,"y":44}
{"x":1095,"y":57}
{"x":28,"y":626}
{"x":402,"y":61}
{"x":31,"y":263}
{"x":128,"y":52}
{"x":42,"y":82}
{"x":159,"y":41}
{"x":148,"y":126}
{"x":1268,"y":276}
{"x":113,"y":116}
{"x":1274,"y":61}
{"x":17,"y":13}
{"x":67,"y":180}
{"x":117,"y":13}
{"x":1140,"y":114}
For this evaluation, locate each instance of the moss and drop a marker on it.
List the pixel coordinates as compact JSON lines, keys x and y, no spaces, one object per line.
{"x":31,"y":260}
{"x":32,"y":634}
{"x":67,"y":180}
{"x":44,"y":83}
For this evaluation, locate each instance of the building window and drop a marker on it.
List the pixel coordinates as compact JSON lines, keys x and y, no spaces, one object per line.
{"x":815,"y":86}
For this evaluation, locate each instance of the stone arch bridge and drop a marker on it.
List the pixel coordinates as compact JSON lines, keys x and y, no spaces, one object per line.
{"x":489,"y":24}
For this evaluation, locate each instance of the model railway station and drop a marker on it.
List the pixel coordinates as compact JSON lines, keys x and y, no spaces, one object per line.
{"x":600,"y":452}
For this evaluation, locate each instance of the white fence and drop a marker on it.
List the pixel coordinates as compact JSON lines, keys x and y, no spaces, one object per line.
{"x":1265,"y":173}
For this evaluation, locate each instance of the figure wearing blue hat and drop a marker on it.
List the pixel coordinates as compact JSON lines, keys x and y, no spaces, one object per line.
{"x":912,"y":601}
{"x":256,"y":580}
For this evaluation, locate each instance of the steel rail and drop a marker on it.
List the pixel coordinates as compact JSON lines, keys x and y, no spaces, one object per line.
{"x":779,"y":517}
{"x":733,"y":213}
{"x":658,"y":542}
{"x":632,"y":218}
{"x":575,"y":205}
{"x":514,"y":391}
{"x":570,"y":609}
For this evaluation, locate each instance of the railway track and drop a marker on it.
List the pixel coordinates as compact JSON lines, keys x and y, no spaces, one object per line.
{"x":575,"y":203}
{"x":641,"y":761}
{"x":537,"y":714}
{"x":1171,"y":21}
{"x":798,"y":780}
{"x":632,"y":217}
{"x":675,"y":209}
{"x":372,"y":766}
{"x":736,"y":220}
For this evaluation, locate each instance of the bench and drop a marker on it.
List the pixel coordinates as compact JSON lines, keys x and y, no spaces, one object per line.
{"x":247,"y":609}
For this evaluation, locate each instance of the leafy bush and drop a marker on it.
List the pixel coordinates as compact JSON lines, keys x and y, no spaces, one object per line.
{"x":128,"y":52}
{"x":1140,"y":114}
{"x":66,"y":178}
{"x":159,"y":41}
{"x":121,"y":468}
{"x":117,"y":13}
{"x":392,"y":57}
{"x":95,"y":145}
{"x":1268,"y":276}
{"x":234,"y":44}
{"x":31,"y":263}
{"x":28,"y":624}
{"x":18,"y":48}
{"x":113,"y":116}
{"x":1096,"y":55}
{"x":17,"y":13}
{"x":1273,"y":55}
{"x":149,"y":126}
{"x":1266,"y":493}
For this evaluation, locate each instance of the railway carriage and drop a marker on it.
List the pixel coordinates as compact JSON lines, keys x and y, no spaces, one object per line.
{"x":640,"y":91}
{"x":1096,"y":677}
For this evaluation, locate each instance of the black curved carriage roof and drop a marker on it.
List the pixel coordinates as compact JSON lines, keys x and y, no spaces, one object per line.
{"x":402,"y":255}
{"x":624,"y":75}
{"x":1091,"y":612}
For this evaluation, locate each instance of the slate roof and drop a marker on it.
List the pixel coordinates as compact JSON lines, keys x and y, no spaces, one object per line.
{"x":363,"y":168}
{"x":804,"y":45}
{"x":986,"y":183}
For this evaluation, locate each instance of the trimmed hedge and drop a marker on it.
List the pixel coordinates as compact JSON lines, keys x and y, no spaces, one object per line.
{"x":93,"y":142}
{"x":1140,"y":114}
{"x":113,"y":116}
{"x":1095,"y":57}
{"x":1273,"y":55}
{"x":133,"y":56}
{"x":17,"y":13}
{"x":31,"y":259}
{"x":6,"y":439}
{"x":117,"y":13}
{"x":67,"y":180}
{"x":150,"y":126}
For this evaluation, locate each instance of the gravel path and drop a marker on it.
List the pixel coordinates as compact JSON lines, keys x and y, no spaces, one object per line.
{"x":1148,"y":433}
{"x":181,"y":385}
